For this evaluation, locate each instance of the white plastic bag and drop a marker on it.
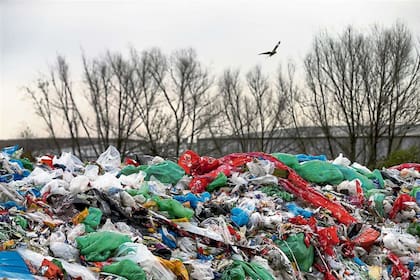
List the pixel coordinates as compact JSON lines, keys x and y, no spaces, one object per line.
{"x":106,"y":181}
{"x":71,"y":162}
{"x":340,"y":160}
{"x":64,"y":251}
{"x":201,"y":270}
{"x":110,"y":160}
{"x":79,"y":184}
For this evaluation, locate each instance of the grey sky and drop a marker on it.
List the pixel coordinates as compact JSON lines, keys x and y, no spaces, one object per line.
{"x":224,"y":34}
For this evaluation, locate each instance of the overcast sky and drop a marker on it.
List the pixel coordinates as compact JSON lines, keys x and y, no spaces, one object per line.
{"x":225,"y":33}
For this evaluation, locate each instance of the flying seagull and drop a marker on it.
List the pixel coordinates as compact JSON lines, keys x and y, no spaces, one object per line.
{"x":273,"y":52}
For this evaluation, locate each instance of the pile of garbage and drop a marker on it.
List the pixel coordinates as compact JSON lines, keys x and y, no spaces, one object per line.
{"x":243,"y":216}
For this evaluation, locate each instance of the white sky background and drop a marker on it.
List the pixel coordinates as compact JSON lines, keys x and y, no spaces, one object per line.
{"x":225,"y":33}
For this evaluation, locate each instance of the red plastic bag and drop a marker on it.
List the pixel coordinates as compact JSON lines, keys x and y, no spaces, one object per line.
{"x":367,"y":238}
{"x":130,"y":161}
{"x":189,"y":161}
{"x":328,"y":238}
{"x":47,"y":160}
{"x":400,"y":167}
{"x":199,"y":183}
{"x":399,"y":269}
{"x":193,"y":164}
{"x":399,"y":204}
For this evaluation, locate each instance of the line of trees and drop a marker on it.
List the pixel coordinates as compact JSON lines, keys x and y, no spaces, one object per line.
{"x":365,"y":83}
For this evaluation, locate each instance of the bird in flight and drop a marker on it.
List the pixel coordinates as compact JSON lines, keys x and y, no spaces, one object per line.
{"x":273,"y":52}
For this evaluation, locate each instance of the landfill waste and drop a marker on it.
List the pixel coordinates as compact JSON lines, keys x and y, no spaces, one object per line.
{"x":242,"y":216}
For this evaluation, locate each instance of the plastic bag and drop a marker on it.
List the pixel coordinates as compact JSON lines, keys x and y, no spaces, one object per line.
{"x":219,"y":182}
{"x":167,"y":172}
{"x":296,"y":210}
{"x":303,"y":157}
{"x":201,"y":270}
{"x":127,"y":269}
{"x":289,"y":160}
{"x":106,"y":181}
{"x":79,"y":184}
{"x":320,"y":172}
{"x":98,"y":246}
{"x":193,"y":199}
{"x":351,"y":174}
{"x":64,"y":251}
{"x":193,"y":164}
{"x":110,"y":160}
{"x":399,"y":204}
{"x":340,"y":160}
{"x":240,"y":269}
{"x":93,"y":219}
{"x":91,"y":172}
{"x":200,"y":182}
{"x":174,"y":208}
{"x":239,"y":216}
{"x":70,"y":161}
{"x":177,"y":267}
{"x":140,"y":254}
{"x":295,"y":249}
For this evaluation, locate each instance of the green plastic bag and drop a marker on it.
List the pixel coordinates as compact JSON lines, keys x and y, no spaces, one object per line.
{"x":92,"y":220}
{"x":217,"y":183}
{"x":414,"y":191}
{"x":378,"y":199}
{"x":350,"y":174}
{"x":167,"y":172}
{"x":289,"y":160}
{"x":21,"y":221}
{"x":240,"y":269}
{"x":414,"y":228}
{"x":27,"y":164}
{"x":98,"y":246}
{"x":276,"y":191}
{"x":127,"y":269}
{"x":320,"y":172}
{"x":143,"y":190}
{"x":131,"y":169}
{"x":234,"y":272}
{"x":256,"y":271}
{"x":173,"y":207}
{"x":377,"y":175}
{"x":295,"y":247}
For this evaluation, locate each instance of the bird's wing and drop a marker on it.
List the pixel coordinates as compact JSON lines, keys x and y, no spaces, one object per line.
{"x":275,"y":47}
{"x":265,"y":53}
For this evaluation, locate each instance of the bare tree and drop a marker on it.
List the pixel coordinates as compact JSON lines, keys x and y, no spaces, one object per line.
{"x":391,"y":80}
{"x":41,"y":98}
{"x":292,"y":96}
{"x":237,"y":108}
{"x":183,"y":83}
{"x":368,"y":84}
{"x":268,"y":108}
{"x":334,"y":76}
{"x":111,"y":82}
{"x":148,"y":104}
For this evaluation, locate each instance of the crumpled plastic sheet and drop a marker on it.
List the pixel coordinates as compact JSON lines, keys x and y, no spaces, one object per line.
{"x":245,"y":215}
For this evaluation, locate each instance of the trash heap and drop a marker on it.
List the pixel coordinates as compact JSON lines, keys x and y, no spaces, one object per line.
{"x":242,"y":216}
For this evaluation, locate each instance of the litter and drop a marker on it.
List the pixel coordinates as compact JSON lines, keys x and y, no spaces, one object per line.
{"x":242,"y":216}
